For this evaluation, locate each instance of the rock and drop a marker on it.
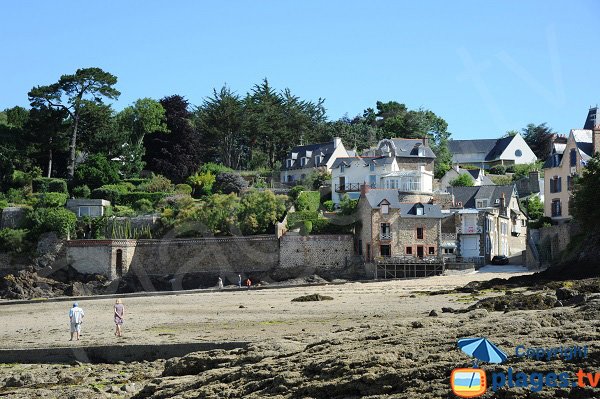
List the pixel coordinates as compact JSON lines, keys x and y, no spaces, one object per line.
{"x":130,"y":388}
{"x":242,"y":307}
{"x":478,"y":314}
{"x":558,"y":304}
{"x":417,"y":324}
{"x":115,"y":389}
{"x":14,"y":381}
{"x":311,"y":298}
{"x":575,"y":300}
{"x":433,"y":313}
{"x":565,"y":293}
{"x":448,"y":310}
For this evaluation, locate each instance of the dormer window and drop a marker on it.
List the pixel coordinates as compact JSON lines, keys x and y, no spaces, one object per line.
{"x":289,"y":163}
{"x":342,"y":168}
{"x":420,"y":210}
{"x":317,"y":160}
{"x":302,"y":161}
{"x":385,"y":209}
{"x":420,"y":151}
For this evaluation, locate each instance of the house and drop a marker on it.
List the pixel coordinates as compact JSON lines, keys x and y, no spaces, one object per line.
{"x":402,"y":164}
{"x":87,"y":207}
{"x":563,"y":165}
{"x":488,"y":221}
{"x":477,"y":176}
{"x":485,"y":153}
{"x":394,"y":227}
{"x":304,"y":159}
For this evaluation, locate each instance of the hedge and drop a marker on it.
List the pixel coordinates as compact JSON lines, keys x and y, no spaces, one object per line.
{"x":308,"y":201}
{"x":81,"y":192}
{"x":60,"y":220}
{"x":112,"y":192}
{"x":50,"y":200}
{"x":133,"y":197}
{"x":47,"y":184}
{"x":183,"y":189}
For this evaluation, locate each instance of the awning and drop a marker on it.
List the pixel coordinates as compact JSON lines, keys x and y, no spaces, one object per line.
{"x":448,"y":245}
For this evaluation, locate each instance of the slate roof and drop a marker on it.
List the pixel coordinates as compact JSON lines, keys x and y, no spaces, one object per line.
{"x":309,"y":151}
{"x":493,"y":148}
{"x":475,"y":173}
{"x":468,"y":195}
{"x":583,"y":140}
{"x":593,"y":118}
{"x":408,"y":210}
{"x":367,"y":161}
{"x":408,"y":148}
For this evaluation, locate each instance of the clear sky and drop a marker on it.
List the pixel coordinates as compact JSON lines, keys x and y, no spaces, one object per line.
{"x":484,"y":66}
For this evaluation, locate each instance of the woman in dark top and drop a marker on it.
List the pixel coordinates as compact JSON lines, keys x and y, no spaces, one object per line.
{"x":119,"y":315}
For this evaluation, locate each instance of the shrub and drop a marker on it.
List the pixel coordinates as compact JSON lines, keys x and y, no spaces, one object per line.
{"x":15,"y":196}
{"x":510,"y":169}
{"x":500,"y":180}
{"x":49,"y":200}
{"x":45,"y":185}
{"x":111,"y":192}
{"x":228,"y":183}
{"x":176,"y":202}
{"x":308,"y":201}
{"x":316,"y":179}
{"x":259,"y":211}
{"x":329,"y":205}
{"x":215,"y":168}
{"x":295,"y":192}
{"x":20,"y":179}
{"x":13,"y":239}
{"x":347,"y":205}
{"x":131,"y":198}
{"x":183,"y":189}
{"x":157,"y":183}
{"x":463,"y":180}
{"x":498,"y":170}
{"x":97,"y":171}
{"x":201,"y":183}
{"x":123,"y":211}
{"x":143,"y":205}
{"x":60,"y":220}
{"x":306,"y":228}
{"x":81,"y":192}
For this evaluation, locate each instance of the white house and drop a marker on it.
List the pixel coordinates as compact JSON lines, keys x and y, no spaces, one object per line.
{"x":304,"y":159}
{"x":512,"y":150}
{"x":477,"y":176}
{"x":405,"y":165}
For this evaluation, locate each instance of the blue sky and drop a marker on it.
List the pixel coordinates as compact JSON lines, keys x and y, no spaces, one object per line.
{"x":484,"y":66}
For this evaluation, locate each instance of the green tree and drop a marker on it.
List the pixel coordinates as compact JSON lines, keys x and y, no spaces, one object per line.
{"x":69,"y":93}
{"x":535,"y":208}
{"x":47,"y":133}
{"x":463,"y":180}
{"x":97,"y":171}
{"x":539,"y":139}
{"x":584,"y":203}
{"x":259,"y":211}
{"x":144,"y":117}
{"x":217,"y":215}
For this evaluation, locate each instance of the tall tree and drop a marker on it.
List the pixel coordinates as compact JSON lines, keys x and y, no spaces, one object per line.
{"x":47,"y":131}
{"x":177,"y":154}
{"x":69,"y":93}
{"x":539,"y":139}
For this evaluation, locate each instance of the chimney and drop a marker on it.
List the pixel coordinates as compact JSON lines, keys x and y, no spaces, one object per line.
{"x":502,"y":203}
{"x":364,"y":189}
{"x":426,"y":141}
{"x":457,"y":168}
{"x":336,"y":142}
{"x":596,"y":139}
{"x":534,"y":175}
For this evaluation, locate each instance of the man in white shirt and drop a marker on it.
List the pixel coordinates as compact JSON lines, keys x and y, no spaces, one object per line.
{"x":76,"y":316}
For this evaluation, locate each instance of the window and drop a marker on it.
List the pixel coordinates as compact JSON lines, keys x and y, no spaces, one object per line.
{"x":420,"y":210}
{"x":573,"y":157}
{"x":342,"y":168}
{"x":420,"y":233}
{"x":385,"y":209}
{"x":420,"y":251}
{"x":317,"y":160}
{"x":90,"y":211}
{"x":289,"y":163}
{"x":555,"y":184}
{"x":302,"y":176}
{"x":556,"y":208}
{"x":482,"y":203}
{"x":518,"y":153}
{"x":372,"y":167}
{"x":431,"y":251}
{"x":570,"y":183}
{"x":448,"y":250}
{"x":386,"y":250}
{"x":409,"y":251}
{"x":302,"y":161}
{"x":373,"y":181}
{"x":290,"y":178}
{"x":386,"y":234}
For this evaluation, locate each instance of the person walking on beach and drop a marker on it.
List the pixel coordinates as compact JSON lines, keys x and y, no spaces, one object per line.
{"x":119,"y":316}
{"x":240,"y":280}
{"x":76,"y":317}
{"x":220,"y":283}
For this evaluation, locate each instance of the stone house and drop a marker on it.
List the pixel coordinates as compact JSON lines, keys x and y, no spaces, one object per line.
{"x":405,"y":165}
{"x":394,"y":224}
{"x":561,"y":167}
{"x":488,"y":222}
{"x":477,"y":176}
{"x":486,"y":153}
{"x":304,"y":159}
{"x":87,"y":207}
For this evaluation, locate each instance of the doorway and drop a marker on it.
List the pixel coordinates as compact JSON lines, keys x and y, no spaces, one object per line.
{"x":119,"y":265}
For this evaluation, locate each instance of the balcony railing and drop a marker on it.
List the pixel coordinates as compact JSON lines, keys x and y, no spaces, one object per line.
{"x":348,"y":187}
{"x":385,"y":236}
{"x":469,"y":230}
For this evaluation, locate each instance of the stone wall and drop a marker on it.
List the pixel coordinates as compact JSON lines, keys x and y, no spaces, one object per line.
{"x":559,"y":236}
{"x":325,"y":255}
{"x":12,"y":217}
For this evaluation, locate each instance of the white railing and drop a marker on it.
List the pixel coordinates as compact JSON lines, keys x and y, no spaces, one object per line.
{"x":469,"y":230}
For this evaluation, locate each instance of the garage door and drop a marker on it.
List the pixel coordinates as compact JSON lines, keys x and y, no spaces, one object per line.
{"x":469,"y":246}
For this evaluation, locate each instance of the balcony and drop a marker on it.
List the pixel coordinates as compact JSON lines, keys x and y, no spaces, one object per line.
{"x":348,"y":187}
{"x":469,"y":230}
{"x":385,"y":236}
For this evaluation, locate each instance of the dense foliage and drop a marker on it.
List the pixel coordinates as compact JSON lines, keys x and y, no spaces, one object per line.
{"x":584,"y":203}
{"x":463,"y":180}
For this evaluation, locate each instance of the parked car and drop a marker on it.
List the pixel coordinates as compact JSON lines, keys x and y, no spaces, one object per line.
{"x":500,"y":260}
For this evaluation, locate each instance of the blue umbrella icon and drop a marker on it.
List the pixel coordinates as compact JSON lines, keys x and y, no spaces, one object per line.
{"x":482,"y":349}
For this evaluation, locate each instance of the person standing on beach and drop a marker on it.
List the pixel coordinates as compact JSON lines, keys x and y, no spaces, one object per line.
{"x":248,"y":283}
{"x":76,"y":317}
{"x":240,"y":280}
{"x":220,"y":283}
{"x":119,"y":316}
